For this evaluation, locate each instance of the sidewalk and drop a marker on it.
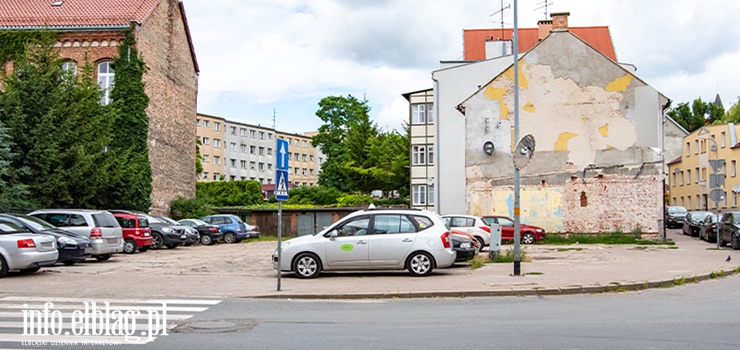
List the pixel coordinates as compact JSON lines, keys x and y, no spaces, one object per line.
{"x":553,"y":270}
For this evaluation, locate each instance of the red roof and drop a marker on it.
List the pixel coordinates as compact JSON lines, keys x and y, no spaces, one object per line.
{"x":475,"y":40}
{"x":73,"y":13}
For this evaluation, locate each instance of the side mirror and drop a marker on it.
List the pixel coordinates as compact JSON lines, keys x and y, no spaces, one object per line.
{"x":333,"y":233}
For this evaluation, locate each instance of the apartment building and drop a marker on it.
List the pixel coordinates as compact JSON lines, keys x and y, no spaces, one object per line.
{"x":249,"y":153}
{"x":421,"y":104}
{"x":302,"y":160}
{"x":210,"y":131}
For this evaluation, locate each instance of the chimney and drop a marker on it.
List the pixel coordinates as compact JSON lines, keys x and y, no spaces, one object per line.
{"x":543,"y":28}
{"x":560,"y":20}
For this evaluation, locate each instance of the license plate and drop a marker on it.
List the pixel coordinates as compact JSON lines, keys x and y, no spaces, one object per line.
{"x":183,"y":237}
{"x":113,"y":240}
{"x":88,"y":250}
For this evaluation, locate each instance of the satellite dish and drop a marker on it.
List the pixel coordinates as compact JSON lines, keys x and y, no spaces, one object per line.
{"x":523,"y":151}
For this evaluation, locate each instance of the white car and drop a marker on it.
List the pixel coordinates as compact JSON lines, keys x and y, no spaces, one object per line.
{"x":25,"y":251}
{"x":372,"y":239}
{"x":473,"y":225}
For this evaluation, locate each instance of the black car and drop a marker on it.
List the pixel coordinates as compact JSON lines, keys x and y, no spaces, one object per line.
{"x":209,"y":234}
{"x":73,"y":248}
{"x":674,"y":216}
{"x":463,"y":247}
{"x":191,"y":235}
{"x":708,"y":230}
{"x":692,"y":222}
{"x":729,"y":230}
{"x":164,"y":234}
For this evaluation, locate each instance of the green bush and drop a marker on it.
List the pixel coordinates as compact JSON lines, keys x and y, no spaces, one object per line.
{"x":230,"y":193}
{"x":355,"y":200}
{"x":318,"y":195}
{"x":185,"y":208}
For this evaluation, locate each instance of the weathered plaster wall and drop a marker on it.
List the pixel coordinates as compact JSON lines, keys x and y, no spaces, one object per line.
{"x":582,"y":110}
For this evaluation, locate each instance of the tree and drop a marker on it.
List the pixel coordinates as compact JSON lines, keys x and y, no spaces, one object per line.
{"x":346,"y":120}
{"x":131,"y":174}
{"x":732,"y":115}
{"x":59,"y":128}
{"x":12,"y":192}
{"x":697,"y":115}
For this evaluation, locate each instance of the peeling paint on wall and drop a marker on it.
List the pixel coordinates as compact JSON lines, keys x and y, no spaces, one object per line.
{"x":544,"y":205}
{"x":619,"y":84}
{"x":523,"y":83}
{"x":498,"y":95}
{"x":529,"y":107}
{"x":604,"y":130}
{"x":562,"y":142}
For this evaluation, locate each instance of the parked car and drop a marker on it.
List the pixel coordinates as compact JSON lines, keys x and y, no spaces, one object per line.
{"x":708,"y":229}
{"x":463,"y":247}
{"x":209,"y":234}
{"x":98,"y":225}
{"x":72,"y":247}
{"x":164,"y":234}
{"x":136,"y":232}
{"x":191,"y":234}
{"x":674,"y":216}
{"x":692,"y":222}
{"x":232,"y":227}
{"x":476,"y":243}
{"x":529,"y":233}
{"x":474,"y":225}
{"x":24,"y":251}
{"x":729,"y":230}
{"x":379,"y":239}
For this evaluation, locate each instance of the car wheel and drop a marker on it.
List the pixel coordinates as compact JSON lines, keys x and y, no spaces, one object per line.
{"x":3,"y":267}
{"x":528,"y":238}
{"x":157,"y":240}
{"x":172,"y":245}
{"x":68,"y":263}
{"x":420,"y":264}
{"x":31,"y":270}
{"x":103,"y":257}
{"x":307,"y":265}
{"x":735,"y":243}
{"x":144,"y":248}
{"x":722,"y":242}
{"x":206,"y":240}
{"x":230,"y":237}
{"x":129,"y":246}
{"x":482,"y":243}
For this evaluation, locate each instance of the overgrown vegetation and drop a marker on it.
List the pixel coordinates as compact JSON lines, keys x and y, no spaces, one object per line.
{"x":617,"y":237}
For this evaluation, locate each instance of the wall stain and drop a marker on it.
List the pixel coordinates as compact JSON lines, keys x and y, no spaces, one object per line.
{"x":619,"y":84}
{"x":562,"y":143}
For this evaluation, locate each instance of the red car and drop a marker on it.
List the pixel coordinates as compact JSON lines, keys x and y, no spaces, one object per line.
{"x":530,"y":234}
{"x":136,"y":232}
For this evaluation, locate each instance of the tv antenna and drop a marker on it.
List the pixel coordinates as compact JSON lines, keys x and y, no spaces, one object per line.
{"x":543,"y":5}
{"x":501,"y":11}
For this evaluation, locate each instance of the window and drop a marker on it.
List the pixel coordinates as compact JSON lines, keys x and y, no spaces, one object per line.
{"x":261,"y":166}
{"x":262,"y":135}
{"x":69,"y":67}
{"x":269,"y":135}
{"x":262,"y":151}
{"x":295,"y":171}
{"x":430,"y":156}
{"x":233,"y":163}
{"x":390,"y":224}
{"x":197,"y":122}
{"x":696,"y":147}
{"x":733,"y":168}
{"x":216,"y":126}
{"x":418,"y":114}
{"x":252,"y":134}
{"x":205,"y":123}
{"x":269,"y":166}
{"x":355,"y":227}
{"x":304,"y":157}
{"x":305,"y":144}
{"x":205,"y":158}
{"x":310,"y":157}
{"x":252,"y":149}
{"x":269,"y":151}
{"x":252,"y":166}
{"x":698,"y":174}
{"x":217,"y":143}
{"x":419,"y":194}
{"x":232,"y":130}
{"x":216,"y":160}
{"x":233,"y":146}
{"x":723,"y":142}
{"x":243,"y":164}
{"x":688,"y":177}
{"x":682,"y":178}
{"x":304,"y":171}
{"x":431,"y":195}
{"x":106,"y":79}
{"x":297,"y":156}
{"x":418,"y":155}
{"x":205,"y":141}
{"x":688,"y":149}
{"x":244,"y":148}
{"x":205,"y":174}
{"x":242,"y":132}
{"x":216,"y":176}
{"x":430,"y":114}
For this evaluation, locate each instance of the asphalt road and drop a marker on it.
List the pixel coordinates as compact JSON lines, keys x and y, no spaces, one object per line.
{"x":692,"y":316}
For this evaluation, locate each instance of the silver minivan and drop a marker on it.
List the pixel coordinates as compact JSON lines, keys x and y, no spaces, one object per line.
{"x":100,"y":226}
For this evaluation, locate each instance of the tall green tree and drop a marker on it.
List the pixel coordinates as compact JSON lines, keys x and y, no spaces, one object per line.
{"x":696,"y":115}
{"x":732,"y":115}
{"x":13,"y":194}
{"x":131,"y":173}
{"x":345,"y":119}
{"x":58,"y":132}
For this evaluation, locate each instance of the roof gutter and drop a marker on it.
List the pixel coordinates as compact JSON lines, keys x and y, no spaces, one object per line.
{"x":68,"y":28}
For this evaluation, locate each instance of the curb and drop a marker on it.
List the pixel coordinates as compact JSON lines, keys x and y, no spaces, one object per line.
{"x":505,"y":293}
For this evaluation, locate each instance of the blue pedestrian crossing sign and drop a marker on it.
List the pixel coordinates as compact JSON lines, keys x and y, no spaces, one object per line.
{"x":281,"y":185}
{"x":282,"y":154}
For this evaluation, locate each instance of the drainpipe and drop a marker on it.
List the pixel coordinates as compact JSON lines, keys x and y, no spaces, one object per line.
{"x":438,"y":148}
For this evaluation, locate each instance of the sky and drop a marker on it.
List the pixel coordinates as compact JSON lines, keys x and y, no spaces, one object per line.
{"x":261,"y":59}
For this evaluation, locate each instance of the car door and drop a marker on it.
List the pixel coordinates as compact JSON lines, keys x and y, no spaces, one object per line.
{"x":507,"y":228}
{"x":347,"y":244}
{"x":391,"y":238}
{"x":725,"y":227}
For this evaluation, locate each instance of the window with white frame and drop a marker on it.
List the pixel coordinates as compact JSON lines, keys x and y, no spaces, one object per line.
{"x":242,"y":132}
{"x":418,"y":155}
{"x":206,"y":141}
{"x":261,"y":166}
{"x":205,"y":158}
{"x":252,"y":165}
{"x":269,"y":151}
{"x":733,"y":168}
{"x":197,"y":122}
{"x":252,"y":149}
{"x":69,"y":67}
{"x":216,"y":126}
{"x":430,"y":154}
{"x":262,"y":135}
{"x":205,"y":123}
{"x":216,"y":160}
{"x":216,"y":176}
{"x":419,"y":195}
{"x":252,"y":134}
{"x":217,"y":143}
{"x":232,"y":130}
{"x":106,"y":79}
{"x":205,"y":174}
{"x":233,"y":146}
{"x":243,"y":164}
{"x":305,"y":143}
{"x":431,"y":194}
{"x":233,"y":163}
{"x":269,"y":136}
{"x":262,"y":151}
{"x":244,"y":148}
{"x":418,"y":114}
{"x":430,"y":114}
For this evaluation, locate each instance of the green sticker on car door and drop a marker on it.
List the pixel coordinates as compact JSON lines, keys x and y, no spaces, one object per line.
{"x":347,"y":247}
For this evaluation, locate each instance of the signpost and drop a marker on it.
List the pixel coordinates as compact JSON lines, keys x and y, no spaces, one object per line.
{"x":281,"y":194}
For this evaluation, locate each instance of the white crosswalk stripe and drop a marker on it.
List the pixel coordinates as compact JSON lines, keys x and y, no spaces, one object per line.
{"x":48,"y":322}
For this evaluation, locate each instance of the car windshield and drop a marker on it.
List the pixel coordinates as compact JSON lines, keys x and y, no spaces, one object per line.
{"x":699,"y":216}
{"x":168,"y":220}
{"x":736,"y":218}
{"x":7,"y":227}
{"x":677,"y":210}
{"x":36,"y":223}
{"x":198,"y":222}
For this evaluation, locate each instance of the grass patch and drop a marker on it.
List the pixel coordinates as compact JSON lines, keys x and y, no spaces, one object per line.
{"x":535,"y":273}
{"x":617,"y":237}
{"x":569,"y":249}
{"x":717,"y":274}
{"x":679,"y":281}
{"x":478,"y":261}
{"x":264,"y":239}
{"x":715,"y":248}
{"x":508,"y":256}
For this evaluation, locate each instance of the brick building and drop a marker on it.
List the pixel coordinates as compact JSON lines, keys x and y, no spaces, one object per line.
{"x":94,"y":28}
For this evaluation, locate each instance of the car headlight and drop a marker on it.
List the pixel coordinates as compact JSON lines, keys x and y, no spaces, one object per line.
{"x":540,"y":230}
{"x":465,"y":245}
{"x":66,"y":240}
{"x":167,"y":230}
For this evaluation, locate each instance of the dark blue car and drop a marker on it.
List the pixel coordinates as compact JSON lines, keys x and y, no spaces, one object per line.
{"x":73,"y":248}
{"x":232,"y":227}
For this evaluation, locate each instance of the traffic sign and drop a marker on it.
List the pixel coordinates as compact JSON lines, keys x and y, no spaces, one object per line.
{"x":716,"y":180}
{"x":717,"y":195}
{"x":717,"y":164}
{"x":281,"y":185}
{"x":282,"y":154}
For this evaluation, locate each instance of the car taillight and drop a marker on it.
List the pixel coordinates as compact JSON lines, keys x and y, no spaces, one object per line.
{"x":445,"y":239}
{"x":96,"y":233}
{"x":26,"y":243}
{"x":485,"y":228}
{"x":212,"y":229}
{"x":239,"y":230}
